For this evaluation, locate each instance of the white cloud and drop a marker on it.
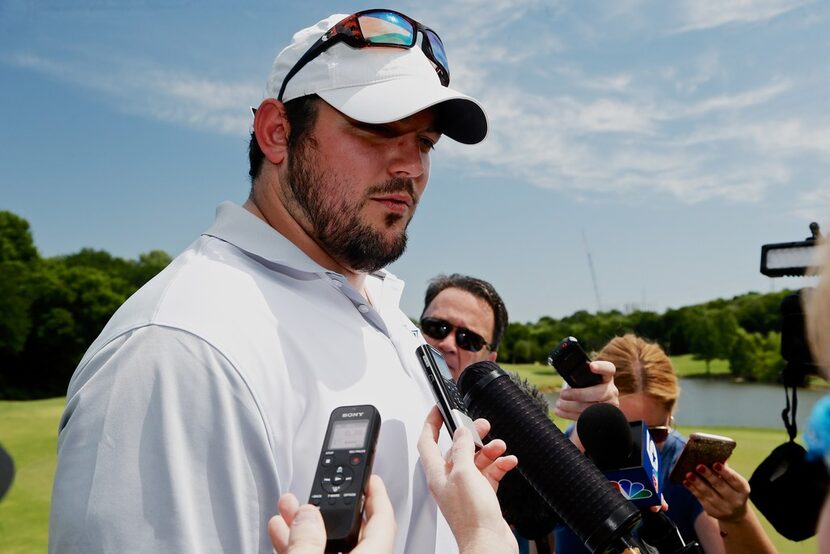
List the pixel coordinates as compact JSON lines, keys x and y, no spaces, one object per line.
{"x":673,"y":130}
{"x":707,"y":14}
{"x":785,"y":137}
{"x":814,"y":205}
{"x":734,"y":102}
{"x":165,"y":94}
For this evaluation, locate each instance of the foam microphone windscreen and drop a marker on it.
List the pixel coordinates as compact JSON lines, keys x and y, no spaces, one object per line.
{"x":572,"y":485}
{"x":606,"y":435}
{"x":521,"y":505}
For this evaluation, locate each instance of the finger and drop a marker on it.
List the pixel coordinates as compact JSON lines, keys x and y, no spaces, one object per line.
{"x":278,"y":531}
{"x":288,"y":506}
{"x":463,"y":449}
{"x":603,"y":392}
{"x":379,"y":529}
{"x":712,"y":479}
{"x":308,"y":532}
{"x":732,"y":478}
{"x":434,"y":421}
{"x":606,"y":369}
{"x":499,"y":468}
{"x":431,"y":458}
{"x":699,"y":486}
{"x":569,"y":409}
{"x":489,"y":453}
{"x":482,"y":427}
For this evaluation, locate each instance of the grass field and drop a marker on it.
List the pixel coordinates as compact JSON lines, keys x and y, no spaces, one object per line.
{"x":28,"y":430}
{"x":546,"y":379}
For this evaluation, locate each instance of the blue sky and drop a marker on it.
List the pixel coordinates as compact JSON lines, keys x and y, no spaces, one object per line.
{"x":669,"y":140}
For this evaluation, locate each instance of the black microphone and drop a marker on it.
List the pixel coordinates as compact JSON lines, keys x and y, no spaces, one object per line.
{"x":521,"y":506}
{"x":616,"y":447}
{"x":623,"y":451}
{"x":572,"y":485}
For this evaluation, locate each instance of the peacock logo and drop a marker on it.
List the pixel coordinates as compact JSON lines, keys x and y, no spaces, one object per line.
{"x":631,"y":491}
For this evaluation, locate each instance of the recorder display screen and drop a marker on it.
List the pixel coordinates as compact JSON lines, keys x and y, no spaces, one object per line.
{"x":348,"y":435}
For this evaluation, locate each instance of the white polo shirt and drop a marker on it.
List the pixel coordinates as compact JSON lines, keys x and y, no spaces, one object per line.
{"x":207,"y":395}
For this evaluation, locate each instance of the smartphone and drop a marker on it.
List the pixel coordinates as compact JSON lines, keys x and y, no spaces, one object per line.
{"x":446,"y":394}
{"x":343,"y":472}
{"x":571,"y":362}
{"x":702,"y":448}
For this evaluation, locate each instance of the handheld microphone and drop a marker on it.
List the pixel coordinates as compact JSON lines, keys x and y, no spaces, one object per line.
{"x":521,"y":505}
{"x":623,"y":451}
{"x":626,"y":454}
{"x":572,"y":485}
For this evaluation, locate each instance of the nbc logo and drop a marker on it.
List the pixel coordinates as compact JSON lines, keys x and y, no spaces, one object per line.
{"x":631,"y":491}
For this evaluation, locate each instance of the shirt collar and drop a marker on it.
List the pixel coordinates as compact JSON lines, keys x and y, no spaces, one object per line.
{"x":237,"y":226}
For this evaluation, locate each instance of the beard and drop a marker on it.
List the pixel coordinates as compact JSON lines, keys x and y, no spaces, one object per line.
{"x":335,"y":222}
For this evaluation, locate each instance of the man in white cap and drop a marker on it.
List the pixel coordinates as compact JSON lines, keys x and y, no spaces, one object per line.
{"x":208,"y":393}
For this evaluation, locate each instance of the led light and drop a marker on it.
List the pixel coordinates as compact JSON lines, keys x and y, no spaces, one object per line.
{"x":788,"y":259}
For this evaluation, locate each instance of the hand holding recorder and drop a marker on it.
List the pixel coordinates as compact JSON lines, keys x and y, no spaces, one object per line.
{"x":301,"y":530}
{"x":449,"y":401}
{"x":586,"y":382}
{"x":464,"y":486}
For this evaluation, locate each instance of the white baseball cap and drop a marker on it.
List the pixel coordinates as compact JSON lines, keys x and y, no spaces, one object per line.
{"x":375,"y":85}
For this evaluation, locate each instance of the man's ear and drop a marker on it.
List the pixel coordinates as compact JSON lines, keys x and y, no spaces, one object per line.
{"x":271,"y":128}
{"x":493,"y":355}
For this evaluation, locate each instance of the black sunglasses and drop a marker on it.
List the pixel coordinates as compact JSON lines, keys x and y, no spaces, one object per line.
{"x":377,"y":28}
{"x":468,"y":340}
{"x":659,"y":433}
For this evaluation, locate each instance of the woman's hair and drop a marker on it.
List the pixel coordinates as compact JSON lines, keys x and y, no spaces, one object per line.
{"x":817,"y":313}
{"x":642,"y":366}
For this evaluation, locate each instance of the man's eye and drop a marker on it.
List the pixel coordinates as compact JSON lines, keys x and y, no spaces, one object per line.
{"x":427,"y":144}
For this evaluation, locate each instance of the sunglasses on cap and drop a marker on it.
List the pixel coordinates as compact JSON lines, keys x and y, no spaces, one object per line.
{"x":468,"y":340}
{"x":377,"y":28}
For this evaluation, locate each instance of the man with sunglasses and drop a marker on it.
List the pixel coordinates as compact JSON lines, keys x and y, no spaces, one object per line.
{"x":465,"y":318}
{"x":208,"y":393}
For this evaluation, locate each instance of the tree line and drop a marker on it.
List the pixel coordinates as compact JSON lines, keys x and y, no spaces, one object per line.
{"x":52,"y":308}
{"x":745,"y":330}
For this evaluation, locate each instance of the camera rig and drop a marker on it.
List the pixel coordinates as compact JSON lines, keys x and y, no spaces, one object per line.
{"x":793,"y":259}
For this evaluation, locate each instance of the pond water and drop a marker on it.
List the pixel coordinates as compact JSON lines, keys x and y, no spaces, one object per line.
{"x":717,"y":403}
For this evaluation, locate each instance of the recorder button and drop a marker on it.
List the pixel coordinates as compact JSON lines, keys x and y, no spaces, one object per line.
{"x":356,"y":459}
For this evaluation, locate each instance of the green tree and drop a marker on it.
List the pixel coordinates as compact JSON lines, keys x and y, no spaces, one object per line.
{"x":756,"y":356}
{"x":70,"y":306}
{"x":711,"y":333}
{"x":16,"y":242}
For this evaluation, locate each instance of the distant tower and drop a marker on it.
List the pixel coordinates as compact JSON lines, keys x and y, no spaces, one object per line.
{"x":593,"y":273}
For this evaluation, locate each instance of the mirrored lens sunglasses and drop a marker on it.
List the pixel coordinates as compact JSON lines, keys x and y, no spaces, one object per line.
{"x":468,"y":340}
{"x":377,"y":28}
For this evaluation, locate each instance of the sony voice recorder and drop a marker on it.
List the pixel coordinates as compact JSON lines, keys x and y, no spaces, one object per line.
{"x":343,"y":473}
